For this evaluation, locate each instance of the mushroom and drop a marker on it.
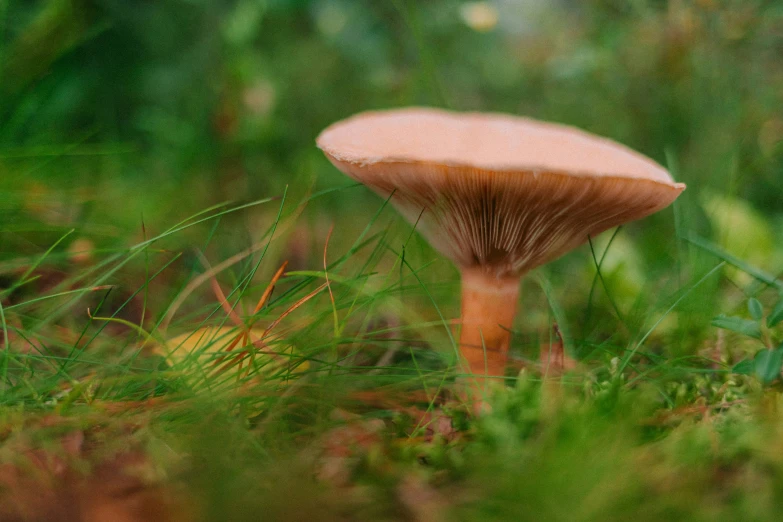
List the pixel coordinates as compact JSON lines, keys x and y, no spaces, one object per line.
{"x":498,"y":195}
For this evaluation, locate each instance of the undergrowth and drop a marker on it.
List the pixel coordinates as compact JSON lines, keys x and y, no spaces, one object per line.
{"x":323,"y":394}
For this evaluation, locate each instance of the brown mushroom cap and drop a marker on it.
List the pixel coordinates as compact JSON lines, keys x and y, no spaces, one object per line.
{"x":500,"y":193}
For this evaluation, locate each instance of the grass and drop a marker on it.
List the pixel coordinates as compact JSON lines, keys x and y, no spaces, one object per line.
{"x":157,"y":362}
{"x":357,"y":397}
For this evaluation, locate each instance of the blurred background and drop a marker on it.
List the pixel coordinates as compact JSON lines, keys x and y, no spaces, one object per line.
{"x":119,"y":119}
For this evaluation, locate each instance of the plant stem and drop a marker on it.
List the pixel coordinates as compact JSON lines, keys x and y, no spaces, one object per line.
{"x":489,"y":305}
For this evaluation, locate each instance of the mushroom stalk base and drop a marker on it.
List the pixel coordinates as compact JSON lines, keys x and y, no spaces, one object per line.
{"x":489,"y":305}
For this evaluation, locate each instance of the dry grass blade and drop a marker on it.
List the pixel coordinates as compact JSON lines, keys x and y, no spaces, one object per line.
{"x":231,"y":261}
{"x":244,"y":334}
{"x":268,"y":292}
{"x":236,"y":359}
{"x":246,"y":337}
{"x":260,"y":342}
{"x":261,"y":302}
{"x":198,"y":281}
{"x":221,"y":297}
{"x":294,"y":307}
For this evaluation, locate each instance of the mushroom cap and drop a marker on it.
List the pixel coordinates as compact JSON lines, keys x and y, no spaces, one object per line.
{"x":497,"y":192}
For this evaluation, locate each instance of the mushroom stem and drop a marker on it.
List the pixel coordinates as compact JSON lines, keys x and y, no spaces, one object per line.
{"x":489,"y":304}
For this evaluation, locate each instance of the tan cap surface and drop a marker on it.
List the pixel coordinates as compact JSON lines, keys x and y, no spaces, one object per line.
{"x":495,"y":191}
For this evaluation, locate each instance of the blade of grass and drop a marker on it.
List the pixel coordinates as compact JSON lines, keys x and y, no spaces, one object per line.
{"x":733,"y":260}
{"x":23,"y":279}
{"x":557,"y":311}
{"x":76,"y":352}
{"x":147,"y":335}
{"x":599,"y":276}
{"x":638,"y":345}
